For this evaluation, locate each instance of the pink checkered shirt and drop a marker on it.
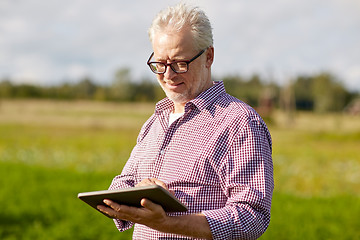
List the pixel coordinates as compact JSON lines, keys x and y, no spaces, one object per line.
{"x":217,"y":160}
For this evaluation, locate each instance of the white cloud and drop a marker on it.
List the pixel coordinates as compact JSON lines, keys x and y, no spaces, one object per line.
{"x":52,"y":41}
{"x":77,"y":71}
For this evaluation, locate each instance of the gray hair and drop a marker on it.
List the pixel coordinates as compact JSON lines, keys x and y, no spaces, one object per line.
{"x":180,"y":16}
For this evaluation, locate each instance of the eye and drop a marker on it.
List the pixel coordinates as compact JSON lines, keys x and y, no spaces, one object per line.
{"x":180,"y":66}
{"x":157,"y":66}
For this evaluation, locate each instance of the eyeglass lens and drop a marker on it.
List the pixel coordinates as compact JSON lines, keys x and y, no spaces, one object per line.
{"x":178,"y":67}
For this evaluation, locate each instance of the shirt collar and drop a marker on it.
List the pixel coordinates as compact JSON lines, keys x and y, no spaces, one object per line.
{"x":207,"y":97}
{"x":202,"y":101}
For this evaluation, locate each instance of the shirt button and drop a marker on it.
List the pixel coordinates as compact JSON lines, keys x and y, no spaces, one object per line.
{"x":162,"y":152}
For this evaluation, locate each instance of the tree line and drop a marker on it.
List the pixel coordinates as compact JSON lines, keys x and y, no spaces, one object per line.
{"x":321,"y":92}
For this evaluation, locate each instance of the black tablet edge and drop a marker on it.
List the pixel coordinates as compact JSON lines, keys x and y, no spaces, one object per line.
{"x":130,"y":189}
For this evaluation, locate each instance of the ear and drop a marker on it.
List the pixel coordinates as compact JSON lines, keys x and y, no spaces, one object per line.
{"x":209,"y":56}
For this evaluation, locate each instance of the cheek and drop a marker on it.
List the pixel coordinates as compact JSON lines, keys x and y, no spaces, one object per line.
{"x":193,"y":79}
{"x":160,"y":78}
{"x":189,"y":80}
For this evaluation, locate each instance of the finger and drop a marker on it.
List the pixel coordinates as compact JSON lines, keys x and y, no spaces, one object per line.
{"x":120,"y":209}
{"x":103,"y":209}
{"x":160,"y":183}
{"x":152,"y":181}
{"x":114,"y":205}
{"x":145,"y":182}
{"x":116,"y":210}
{"x":108,"y":202}
{"x":146,"y":203}
{"x":107,"y":211}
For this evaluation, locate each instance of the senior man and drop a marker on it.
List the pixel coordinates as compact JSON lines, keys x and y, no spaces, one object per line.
{"x":211,"y":150}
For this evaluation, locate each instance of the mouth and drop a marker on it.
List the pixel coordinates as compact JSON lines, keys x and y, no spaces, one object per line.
{"x":174,"y":86}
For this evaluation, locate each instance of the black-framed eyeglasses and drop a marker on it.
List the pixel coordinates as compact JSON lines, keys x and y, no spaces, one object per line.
{"x":177,"y":66}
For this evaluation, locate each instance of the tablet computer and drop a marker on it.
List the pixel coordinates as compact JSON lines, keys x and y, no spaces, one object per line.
{"x":132,"y":197}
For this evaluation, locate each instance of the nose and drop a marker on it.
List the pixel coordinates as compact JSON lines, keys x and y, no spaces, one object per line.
{"x":169,"y":73}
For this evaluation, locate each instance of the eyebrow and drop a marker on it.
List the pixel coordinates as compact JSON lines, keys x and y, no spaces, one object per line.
{"x":175,"y":59}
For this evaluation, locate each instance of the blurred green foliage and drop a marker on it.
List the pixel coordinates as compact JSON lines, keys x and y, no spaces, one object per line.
{"x":51,"y":150}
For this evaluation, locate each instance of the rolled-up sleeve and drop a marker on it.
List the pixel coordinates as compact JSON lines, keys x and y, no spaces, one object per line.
{"x":125,"y":180}
{"x":246,"y":175}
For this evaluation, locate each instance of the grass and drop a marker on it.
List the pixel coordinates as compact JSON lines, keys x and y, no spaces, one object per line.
{"x":41,"y":203}
{"x":310,"y":163}
{"x":50,"y":151}
{"x":315,"y":218}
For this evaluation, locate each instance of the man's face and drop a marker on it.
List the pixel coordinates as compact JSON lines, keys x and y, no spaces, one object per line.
{"x":174,"y":46}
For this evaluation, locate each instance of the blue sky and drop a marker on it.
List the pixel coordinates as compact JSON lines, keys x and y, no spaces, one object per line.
{"x":48,"y":42}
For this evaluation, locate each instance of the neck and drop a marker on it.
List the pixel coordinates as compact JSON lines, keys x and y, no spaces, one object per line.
{"x":179,"y":107}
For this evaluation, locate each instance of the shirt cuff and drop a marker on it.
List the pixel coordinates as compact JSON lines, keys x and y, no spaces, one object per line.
{"x":220,"y":222}
{"x":122,"y":225}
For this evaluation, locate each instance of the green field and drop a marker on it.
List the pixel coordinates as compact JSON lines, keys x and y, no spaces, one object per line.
{"x":50,"y":151}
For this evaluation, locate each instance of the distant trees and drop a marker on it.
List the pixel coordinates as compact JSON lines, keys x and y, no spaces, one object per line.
{"x":122,"y":88}
{"x":248,"y":90}
{"x":321,"y":92}
{"x":6,"y":89}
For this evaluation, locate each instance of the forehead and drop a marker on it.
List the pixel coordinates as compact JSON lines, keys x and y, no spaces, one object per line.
{"x":173,"y":45}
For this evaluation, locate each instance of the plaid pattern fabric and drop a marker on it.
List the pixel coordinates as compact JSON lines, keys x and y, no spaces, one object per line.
{"x":217,"y":159}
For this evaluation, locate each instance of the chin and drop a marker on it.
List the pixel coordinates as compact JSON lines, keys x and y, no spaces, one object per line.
{"x":178,"y":97}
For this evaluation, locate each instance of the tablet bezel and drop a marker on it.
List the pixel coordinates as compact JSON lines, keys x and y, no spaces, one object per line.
{"x":132,"y":197}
